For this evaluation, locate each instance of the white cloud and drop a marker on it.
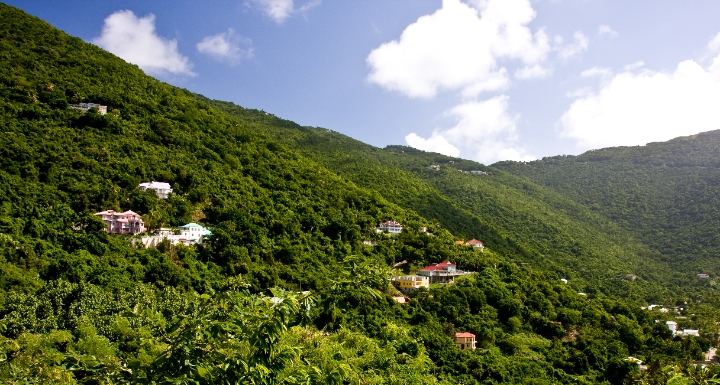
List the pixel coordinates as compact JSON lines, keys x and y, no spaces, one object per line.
{"x":532,"y":72}
{"x":578,"y":46}
{"x":597,"y":72}
{"x":281,"y":10}
{"x":605,"y":30}
{"x":635,"y":109}
{"x":579,"y":93}
{"x":633,"y":66}
{"x":458,"y":48}
{"x":226,"y":46}
{"x":134,"y":39}
{"x":484,"y":131}
{"x":435,"y":143}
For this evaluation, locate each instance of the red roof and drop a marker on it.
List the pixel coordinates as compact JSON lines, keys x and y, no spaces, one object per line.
{"x":464,"y":335}
{"x":474,"y":242}
{"x":390,"y":223}
{"x":438,"y":266}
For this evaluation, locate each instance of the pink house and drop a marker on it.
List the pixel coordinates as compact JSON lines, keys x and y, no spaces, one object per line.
{"x":122,"y":223}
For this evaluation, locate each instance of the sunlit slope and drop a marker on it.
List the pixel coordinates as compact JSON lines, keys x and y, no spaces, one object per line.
{"x":531,"y":223}
{"x":666,"y":194}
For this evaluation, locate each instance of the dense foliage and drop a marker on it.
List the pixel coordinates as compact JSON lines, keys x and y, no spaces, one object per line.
{"x":285,"y":291}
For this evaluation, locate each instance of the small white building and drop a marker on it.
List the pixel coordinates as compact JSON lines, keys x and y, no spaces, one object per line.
{"x":162,"y":189}
{"x":190,"y":234}
{"x":390,"y":227}
{"x":476,"y":244}
{"x":127,"y":222}
{"x":434,"y":167}
{"x":84,"y":107}
{"x":672,"y":325}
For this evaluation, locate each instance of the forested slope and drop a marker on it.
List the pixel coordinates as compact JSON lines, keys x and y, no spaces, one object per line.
{"x":526,"y":221}
{"x":284,"y":291}
{"x":665,"y":194}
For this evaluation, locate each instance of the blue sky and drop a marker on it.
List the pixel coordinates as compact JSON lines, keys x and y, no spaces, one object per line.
{"x":486,"y":80}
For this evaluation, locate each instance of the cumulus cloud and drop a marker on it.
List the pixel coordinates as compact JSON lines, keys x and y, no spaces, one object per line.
{"x":435,"y":143}
{"x":458,"y":48}
{"x":134,"y":39}
{"x":281,"y":10}
{"x":484,"y":131}
{"x":714,"y":44}
{"x":226,"y":46}
{"x":633,"y":66}
{"x":579,"y":45}
{"x":638,"y":108}
{"x":605,"y":30}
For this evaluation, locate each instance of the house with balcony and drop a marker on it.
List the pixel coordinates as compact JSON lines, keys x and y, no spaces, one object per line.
{"x":190,"y":234}
{"x":443,"y":272}
{"x":390,"y":227}
{"x":465,"y":341}
{"x":127,"y":222}
{"x":409,"y":283}
{"x":162,"y":189}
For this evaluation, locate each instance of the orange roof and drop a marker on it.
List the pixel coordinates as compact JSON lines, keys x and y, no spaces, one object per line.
{"x":464,"y":335}
{"x":459,"y":242}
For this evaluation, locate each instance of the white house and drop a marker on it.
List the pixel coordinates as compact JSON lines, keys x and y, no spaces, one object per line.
{"x":194,"y":232}
{"x":390,"y":227}
{"x":672,"y":325}
{"x":127,"y":222}
{"x":84,"y":107}
{"x":162,"y":189}
{"x":190,"y":234}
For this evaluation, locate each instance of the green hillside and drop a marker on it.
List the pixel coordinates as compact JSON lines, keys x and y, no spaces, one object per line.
{"x":526,"y":221}
{"x":285,"y":291}
{"x":665,"y":194}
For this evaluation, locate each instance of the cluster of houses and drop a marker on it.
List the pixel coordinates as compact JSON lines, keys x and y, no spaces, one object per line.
{"x":443,"y":272}
{"x":84,"y":107}
{"x":130,"y":223}
{"x":672,"y":325}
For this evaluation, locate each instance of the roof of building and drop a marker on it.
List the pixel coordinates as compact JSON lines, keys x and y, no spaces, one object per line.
{"x":438,"y":266}
{"x":390,"y":223}
{"x":474,"y":242}
{"x":154,"y":185}
{"x":459,"y":242}
{"x":464,"y":335}
{"x":191,"y":224}
{"x":113,"y":212}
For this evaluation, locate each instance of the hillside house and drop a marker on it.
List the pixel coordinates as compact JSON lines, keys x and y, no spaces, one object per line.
{"x":194,"y":232}
{"x":460,"y":242}
{"x":434,"y":167}
{"x":703,"y":276}
{"x":84,"y":107}
{"x":465,"y":341}
{"x":162,"y":189}
{"x":475,"y":244}
{"x":190,"y":234}
{"x":127,"y":222}
{"x":409,"y":283}
{"x":476,"y":172}
{"x":443,"y":272}
{"x":390,"y":227}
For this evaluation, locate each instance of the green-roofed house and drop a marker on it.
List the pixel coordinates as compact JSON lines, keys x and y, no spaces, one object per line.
{"x":194,"y":232}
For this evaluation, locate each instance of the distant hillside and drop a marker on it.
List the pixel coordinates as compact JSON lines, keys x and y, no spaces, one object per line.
{"x":665,"y":194}
{"x":522,"y":219}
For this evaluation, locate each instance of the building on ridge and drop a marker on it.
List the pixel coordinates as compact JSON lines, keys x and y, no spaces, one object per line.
{"x":127,"y":222}
{"x":465,"y":341}
{"x":162,"y":189}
